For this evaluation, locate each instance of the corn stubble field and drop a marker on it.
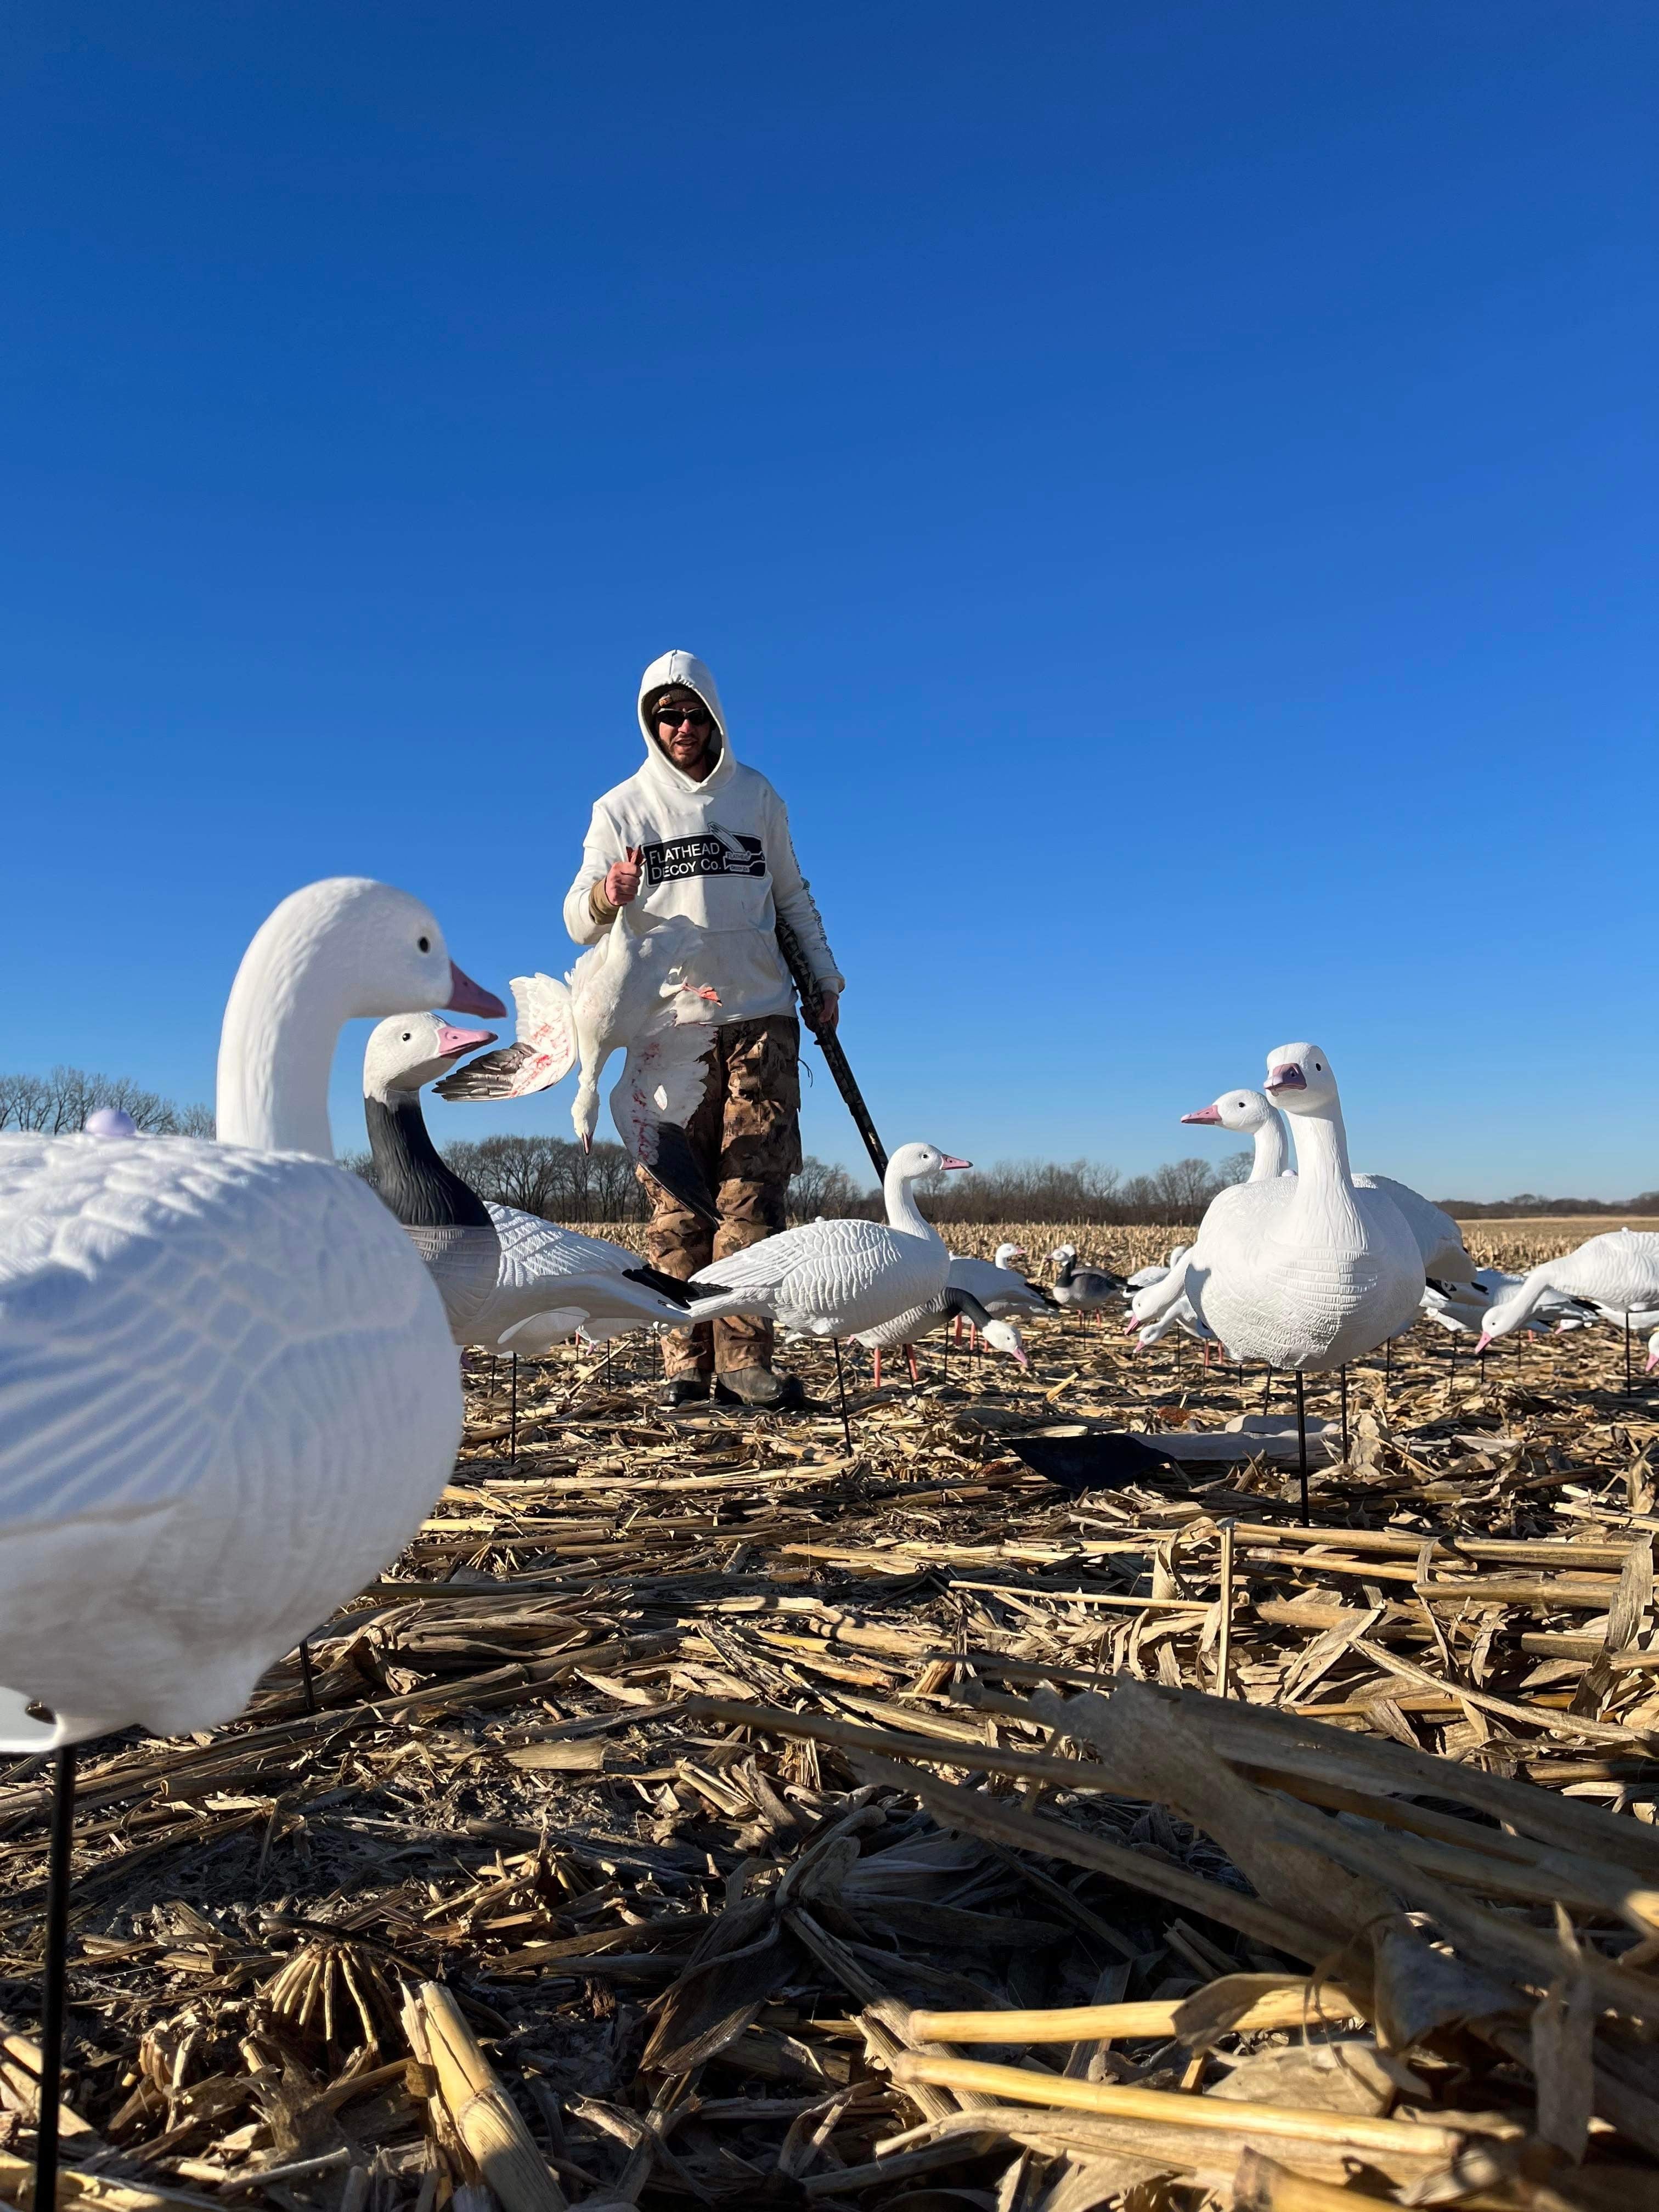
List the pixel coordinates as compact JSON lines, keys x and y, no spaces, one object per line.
{"x":700,"y":1814}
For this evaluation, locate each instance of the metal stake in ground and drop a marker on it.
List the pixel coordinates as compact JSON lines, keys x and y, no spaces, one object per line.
{"x":841,"y":1385}
{"x":51,"y":2002}
{"x":1302,"y":1447}
{"x":1629,"y":1386}
{"x":513,"y":1417}
{"x":307,"y":1680}
{"x":1343,"y":1379}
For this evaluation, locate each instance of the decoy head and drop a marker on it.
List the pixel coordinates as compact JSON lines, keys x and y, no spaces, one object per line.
{"x":1299,"y":1078}
{"x":1004,"y":1253}
{"x":408,"y":1050}
{"x":381,"y":947}
{"x":911,"y":1162}
{"x":110,"y":1121}
{"x":1003,"y":1336}
{"x":1061,"y":1253}
{"x":1245,"y":1111}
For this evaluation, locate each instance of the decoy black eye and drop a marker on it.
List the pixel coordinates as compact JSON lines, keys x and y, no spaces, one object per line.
{"x":408,"y":1037}
{"x":425,"y":944}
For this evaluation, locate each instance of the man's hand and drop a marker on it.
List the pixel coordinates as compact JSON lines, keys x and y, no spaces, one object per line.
{"x":622,"y":878}
{"x":830,"y":1010}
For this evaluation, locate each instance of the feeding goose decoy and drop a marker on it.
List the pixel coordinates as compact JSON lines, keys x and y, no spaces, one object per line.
{"x":227,"y":1393}
{"x":508,"y":1279}
{"x":1616,"y":1273}
{"x":955,"y":1302}
{"x":635,"y":992}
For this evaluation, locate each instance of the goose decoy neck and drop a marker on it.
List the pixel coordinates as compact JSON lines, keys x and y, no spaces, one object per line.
{"x":410,"y":1174}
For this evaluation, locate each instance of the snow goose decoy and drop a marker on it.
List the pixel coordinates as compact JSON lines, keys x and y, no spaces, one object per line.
{"x":1083,"y":1290}
{"x":1310,"y":1271}
{"x":840,"y":1277}
{"x":228,"y":1394}
{"x":1617,"y":1272}
{"x":508,"y":1279}
{"x":635,"y":991}
{"x":1247,"y":1113}
{"x":220,"y":1405}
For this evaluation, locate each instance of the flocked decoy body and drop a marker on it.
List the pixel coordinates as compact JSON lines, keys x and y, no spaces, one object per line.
{"x":836,"y":1278}
{"x":227,"y":1392}
{"x":636,"y":991}
{"x":1445,"y":1257}
{"x":508,"y":1279}
{"x":1618,"y":1271}
{"x":1305,"y":1271}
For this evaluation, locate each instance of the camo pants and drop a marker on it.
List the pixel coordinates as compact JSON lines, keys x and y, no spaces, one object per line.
{"x":747,"y":1136}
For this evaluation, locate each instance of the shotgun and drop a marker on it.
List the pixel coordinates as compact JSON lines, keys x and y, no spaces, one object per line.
{"x":807,"y":990}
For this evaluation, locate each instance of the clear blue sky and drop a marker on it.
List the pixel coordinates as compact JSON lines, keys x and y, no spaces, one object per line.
{"x":1168,"y":492}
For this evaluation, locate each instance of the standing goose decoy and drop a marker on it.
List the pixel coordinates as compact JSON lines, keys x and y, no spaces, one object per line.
{"x":1083,"y":1290}
{"x":228,"y":1394}
{"x":633,"y":991}
{"x":1446,"y":1260}
{"x":1306,"y":1272}
{"x":839,"y":1278}
{"x":508,"y":1279}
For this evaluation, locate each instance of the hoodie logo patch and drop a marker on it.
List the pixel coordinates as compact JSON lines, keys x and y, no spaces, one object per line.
{"x":717,"y":853}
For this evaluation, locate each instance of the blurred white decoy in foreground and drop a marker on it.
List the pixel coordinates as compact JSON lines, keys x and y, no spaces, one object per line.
{"x":633,"y":992}
{"x":1306,"y":1272}
{"x":1619,"y":1271}
{"x":508,"y":1279}
{"x":227,"y":1392}
{"x":840,"y":1277}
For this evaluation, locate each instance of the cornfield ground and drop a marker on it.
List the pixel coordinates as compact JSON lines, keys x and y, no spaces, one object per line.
{"x":702,"y":1811}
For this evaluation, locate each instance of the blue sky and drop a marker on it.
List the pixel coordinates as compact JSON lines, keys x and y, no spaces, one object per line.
{"x":1167,"y":492}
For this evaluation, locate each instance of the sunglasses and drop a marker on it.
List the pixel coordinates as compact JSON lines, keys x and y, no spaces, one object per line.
{"x":672,"y":717}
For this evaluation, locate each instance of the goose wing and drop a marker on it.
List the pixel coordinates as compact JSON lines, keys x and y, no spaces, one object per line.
{"x":544,"y":1052}
{"x":663,"y":1082}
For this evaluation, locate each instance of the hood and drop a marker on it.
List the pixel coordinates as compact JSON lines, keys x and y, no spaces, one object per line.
{"x":679,"y":667}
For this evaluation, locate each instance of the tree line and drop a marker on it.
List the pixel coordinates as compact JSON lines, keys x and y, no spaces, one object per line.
{"x":56,"y":1104}
{"x":554,"y":1177}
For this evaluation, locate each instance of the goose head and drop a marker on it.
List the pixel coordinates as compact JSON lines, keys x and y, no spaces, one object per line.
{"x":1245,"y":1111}
{"x":1061,"y":1253}
{"x":1299,"y":1078}
{"x":1007,"y":1252}
{"x":409,"y":1050}
{"x":911,"y":1162}
{"x":689,"y":1002}
{"x":1002,"y":1336}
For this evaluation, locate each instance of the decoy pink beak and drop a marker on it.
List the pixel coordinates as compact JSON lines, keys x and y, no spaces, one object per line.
{"x":1481,"y":1343}
{"x":947,"y":1162}
{"x":1653,"y":1361}
{"x":466,"y":997}
{"x":1289,"y":1077}
{"x":1131,"y":1325}
{"x":1204,"y":1114}
{"x":451,"y":1042}
{"x":1019,"y":1354}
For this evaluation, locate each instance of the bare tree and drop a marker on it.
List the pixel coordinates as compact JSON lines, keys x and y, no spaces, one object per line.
{"x":58,"y":1104}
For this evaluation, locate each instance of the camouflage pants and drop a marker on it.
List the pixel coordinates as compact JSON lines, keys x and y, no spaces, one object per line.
{"x":746,"y":1134}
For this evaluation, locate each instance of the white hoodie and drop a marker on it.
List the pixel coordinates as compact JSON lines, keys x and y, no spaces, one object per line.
{"x":717,"y":852}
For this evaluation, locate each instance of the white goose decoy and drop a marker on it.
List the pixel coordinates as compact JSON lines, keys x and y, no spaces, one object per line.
{"x":1619,"y":1271}
{"x":836,"y":1279}
{"x":906,"y":1331}
{"x":507,"y":1278}
{"x":227,"y":1393}
{"x":634,"y":991}
{"x":1248,"y":1114}
{"x":1307,"y":1272}
{"x":1446,"y":1261}
{"x":1653,"y":1351}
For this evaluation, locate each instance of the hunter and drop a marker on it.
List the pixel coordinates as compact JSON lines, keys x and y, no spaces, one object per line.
{"x":695,"y":833}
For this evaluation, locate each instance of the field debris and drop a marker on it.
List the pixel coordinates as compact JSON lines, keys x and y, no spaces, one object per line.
{"x":701,"y":1814}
